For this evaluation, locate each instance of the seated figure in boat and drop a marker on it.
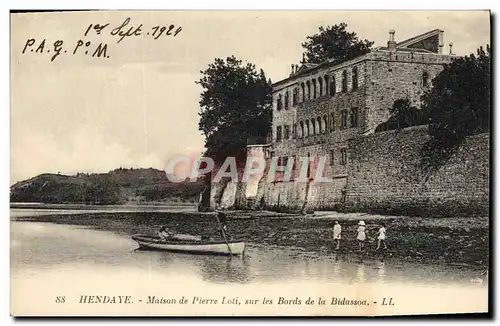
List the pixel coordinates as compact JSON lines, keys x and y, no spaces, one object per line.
{"x":165,"y":233}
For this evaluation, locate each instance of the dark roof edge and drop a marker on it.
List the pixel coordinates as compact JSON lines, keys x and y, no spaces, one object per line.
{"x":318,"y":67}
{"x":418,"y":38}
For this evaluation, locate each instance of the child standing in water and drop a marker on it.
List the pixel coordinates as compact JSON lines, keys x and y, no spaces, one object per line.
{"x":361,"y":235}
{"x":381,"y":236}
{"x":337,"y":230}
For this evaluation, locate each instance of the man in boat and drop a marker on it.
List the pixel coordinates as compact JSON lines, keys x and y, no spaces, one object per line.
{"x":222,"y":218}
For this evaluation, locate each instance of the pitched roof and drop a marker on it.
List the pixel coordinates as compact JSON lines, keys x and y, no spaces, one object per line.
{"x":418,"y":38}
{"x":305,"y":67}
{"x":385,"y":48}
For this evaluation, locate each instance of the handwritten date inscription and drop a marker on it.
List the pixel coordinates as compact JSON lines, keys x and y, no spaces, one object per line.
{"x":126,"y":29}
{"x":98,"y":49}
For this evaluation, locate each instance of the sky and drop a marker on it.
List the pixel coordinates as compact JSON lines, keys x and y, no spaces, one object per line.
{"x":139,"y":107}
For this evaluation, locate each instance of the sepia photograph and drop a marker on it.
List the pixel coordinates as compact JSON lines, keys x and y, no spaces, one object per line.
{"x":250,"y":163}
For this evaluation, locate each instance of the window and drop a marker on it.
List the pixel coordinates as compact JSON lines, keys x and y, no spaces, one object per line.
{"x":343,"y":119}
{"x":303,"y":92}
{"x":282,"y":160}
{"x":286,"y":100}
{"x":313,"y":124}
{"x":294,"y":130}
{"x":294,"y":166}
{"x":425,"y":79}
{"x":326,"y":84}
{"x":354,"y":117}
{"x":287,"y":132}
{"x":354,"y":78}
{"x":320,"y":82}
{"x":332,"y":86}
{"x":295,"y":96}
{"x":301,"y":130}
{"x":344,"y":81}
{"x":308,"y":128}
{"x":343,"y":156}
{"x":320,"y":130}
{"x":279,"y":102}
{"x":278,"y":133}
{"x":308,"y":85}
{"x":332,"y":121}
{"x":314,"y":88}
{"x":332,"y":158}
{"x":325,"y":123}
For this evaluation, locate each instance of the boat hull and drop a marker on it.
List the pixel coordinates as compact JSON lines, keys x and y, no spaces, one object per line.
{"x":194,"y":247}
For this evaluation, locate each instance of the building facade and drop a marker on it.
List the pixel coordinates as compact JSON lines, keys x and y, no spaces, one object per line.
{"x":319,"y":108}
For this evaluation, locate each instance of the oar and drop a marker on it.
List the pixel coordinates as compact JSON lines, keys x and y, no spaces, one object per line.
{"x":224,"y":235}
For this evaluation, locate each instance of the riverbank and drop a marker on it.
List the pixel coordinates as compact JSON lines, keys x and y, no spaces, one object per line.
{"x":456,"y":241}
{"x":137,"y":206}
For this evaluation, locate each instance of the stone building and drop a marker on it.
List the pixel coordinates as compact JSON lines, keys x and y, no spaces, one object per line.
{"x":318,"y":107}
{"x":330,"y":112}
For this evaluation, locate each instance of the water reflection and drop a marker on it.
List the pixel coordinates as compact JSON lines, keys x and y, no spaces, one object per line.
{"x":360,"y":273}
{"x":381,"y":271}
{"x":234,"y":270}
{"x":214,"y":269}
{"x":336,"y":267}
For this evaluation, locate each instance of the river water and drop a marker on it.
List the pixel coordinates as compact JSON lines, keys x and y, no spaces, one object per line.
{"x":57,"y":260}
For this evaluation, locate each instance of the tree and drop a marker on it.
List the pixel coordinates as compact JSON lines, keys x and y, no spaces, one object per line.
{"x":334,"y":42}
{"x":458,"y":104}
{"x":403,"y":115}
{"x":235,"y":106}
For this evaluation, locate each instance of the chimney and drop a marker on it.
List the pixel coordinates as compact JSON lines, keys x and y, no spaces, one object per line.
{"x":292,"y":72}
{"x":303,"y":58}
{"x":451,"y":48}
{"x":391,"y":44}
{"x":441,"y":44}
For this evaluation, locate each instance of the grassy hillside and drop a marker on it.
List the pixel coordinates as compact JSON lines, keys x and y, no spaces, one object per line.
{"x":116,"y":187}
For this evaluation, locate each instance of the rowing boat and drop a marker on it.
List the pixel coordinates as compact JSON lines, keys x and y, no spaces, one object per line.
{"x":188,"y":246}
